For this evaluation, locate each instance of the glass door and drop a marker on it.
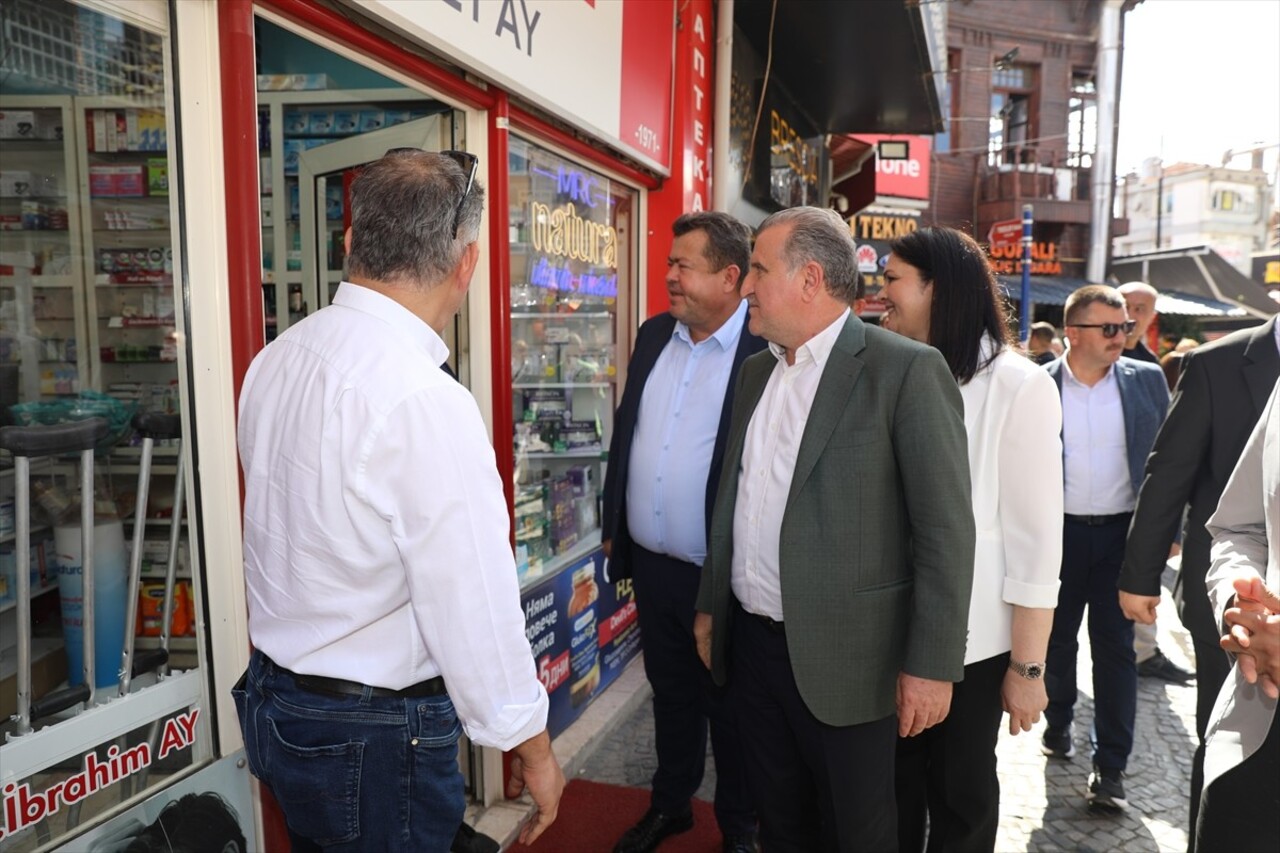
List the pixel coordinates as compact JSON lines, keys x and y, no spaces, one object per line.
{"x":324,"y":190}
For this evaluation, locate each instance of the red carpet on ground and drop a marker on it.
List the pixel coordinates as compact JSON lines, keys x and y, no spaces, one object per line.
{"x":593,"y":817}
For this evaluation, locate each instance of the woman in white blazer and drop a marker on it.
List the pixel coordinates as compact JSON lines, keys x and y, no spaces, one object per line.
{"x":939,"y":289}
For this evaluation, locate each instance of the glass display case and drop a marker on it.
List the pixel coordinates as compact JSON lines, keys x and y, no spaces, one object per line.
{"x":91,"y":324}
{"x":570,"y":255}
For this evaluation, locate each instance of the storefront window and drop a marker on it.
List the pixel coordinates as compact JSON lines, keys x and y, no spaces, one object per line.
{"x":570,"y":259}
{"x":91,"y":324}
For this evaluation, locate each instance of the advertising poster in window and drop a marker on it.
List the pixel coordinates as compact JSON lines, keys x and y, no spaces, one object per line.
{"x":583,"y":632}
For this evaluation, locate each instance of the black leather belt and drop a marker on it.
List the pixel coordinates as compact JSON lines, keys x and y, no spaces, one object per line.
{"x":342,"y":687}
{"x":1098,"y":520}
{"x":770,"y":624}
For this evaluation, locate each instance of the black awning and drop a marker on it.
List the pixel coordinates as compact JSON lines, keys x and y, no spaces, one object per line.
{"x":852,"y":67}
{"x":1198,"y":271}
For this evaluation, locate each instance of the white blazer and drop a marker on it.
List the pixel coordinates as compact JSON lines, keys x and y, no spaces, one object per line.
{"x":1248,"y":517}
{"x":1013,"y":414}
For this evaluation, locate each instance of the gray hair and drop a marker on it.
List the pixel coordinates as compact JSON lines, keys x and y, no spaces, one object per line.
{"x":402,"y":209}
{"x":821,"y":236}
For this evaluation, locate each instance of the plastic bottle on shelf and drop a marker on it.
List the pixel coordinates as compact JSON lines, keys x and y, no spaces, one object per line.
{"x":110,"y":588}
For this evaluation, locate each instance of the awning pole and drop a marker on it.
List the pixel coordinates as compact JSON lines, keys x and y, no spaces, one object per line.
{"x":1024,"y":324}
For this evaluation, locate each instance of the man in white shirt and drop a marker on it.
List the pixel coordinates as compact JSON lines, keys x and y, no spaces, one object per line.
{"x":382,"y":594}
{"x":836,"y":587}
{"x":1112,"y":408}
{"x":664,"y":466}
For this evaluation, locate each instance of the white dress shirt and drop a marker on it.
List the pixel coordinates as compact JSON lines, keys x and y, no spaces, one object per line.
{"x":1013,"y":418}
{"x":674,"y":439}
{"x":1095,"y":453}
{"x":768,"y":462}
{"x":375,"y":540}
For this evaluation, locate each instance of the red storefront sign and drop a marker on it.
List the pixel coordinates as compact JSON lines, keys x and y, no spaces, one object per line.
{"x":908,"y":178}
{"x":689,"y":187}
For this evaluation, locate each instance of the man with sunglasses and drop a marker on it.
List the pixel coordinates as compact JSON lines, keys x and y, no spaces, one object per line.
{"x":383,"y":602}
{"x":1112,"y":408}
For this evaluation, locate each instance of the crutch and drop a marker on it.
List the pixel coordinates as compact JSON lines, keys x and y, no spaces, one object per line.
{"x":25,"y":442}
{"x":152,"y":426}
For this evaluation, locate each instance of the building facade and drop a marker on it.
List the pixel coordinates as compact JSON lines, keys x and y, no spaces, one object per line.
{"x":1029,"y":107}
{"x":1185,"y":204}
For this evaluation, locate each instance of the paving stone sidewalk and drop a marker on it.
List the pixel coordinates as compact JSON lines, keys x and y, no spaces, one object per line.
{"x":1042,"y":804}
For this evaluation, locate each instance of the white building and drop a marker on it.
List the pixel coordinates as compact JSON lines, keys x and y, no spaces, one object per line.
{"x":1222,"y":208}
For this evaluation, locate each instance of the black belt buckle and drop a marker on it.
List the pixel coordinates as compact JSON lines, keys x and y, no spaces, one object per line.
{"x":773,"y":626}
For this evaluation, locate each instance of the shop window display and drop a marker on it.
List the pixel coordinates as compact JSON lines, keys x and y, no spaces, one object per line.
{"x":91,"y":324}
{"x":569,"y":255}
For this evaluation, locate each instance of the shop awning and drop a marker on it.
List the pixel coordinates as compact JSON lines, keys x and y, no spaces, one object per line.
{"x":1045,"y":290}
{"x":1196,"y":271}
{"x":865,"y":67}
{"x":1053,"y":290}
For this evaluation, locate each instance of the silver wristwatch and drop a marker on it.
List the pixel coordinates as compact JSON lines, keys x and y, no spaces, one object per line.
{"x":1030,"y":671}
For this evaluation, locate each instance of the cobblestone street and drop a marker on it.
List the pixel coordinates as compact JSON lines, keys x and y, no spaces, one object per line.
{"x":1042,"y":804}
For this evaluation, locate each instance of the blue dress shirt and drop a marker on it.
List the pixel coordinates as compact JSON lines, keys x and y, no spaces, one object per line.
{"x":674,"y":438}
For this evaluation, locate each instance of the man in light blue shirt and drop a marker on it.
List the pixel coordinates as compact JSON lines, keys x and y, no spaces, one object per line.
{"x":1112,"y":408}
{"x":664,"y":467}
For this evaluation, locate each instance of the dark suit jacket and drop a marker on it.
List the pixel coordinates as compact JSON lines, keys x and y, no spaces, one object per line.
{"x":877,"y":538}
{"x":1144,"y":396}
{"x":1219,"y":398}
{"x":651,"y":340}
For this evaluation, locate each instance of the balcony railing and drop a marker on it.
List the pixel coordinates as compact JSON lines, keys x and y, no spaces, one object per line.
{"x":1059,"y":189}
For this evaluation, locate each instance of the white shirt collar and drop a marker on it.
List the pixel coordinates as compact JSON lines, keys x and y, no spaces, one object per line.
{"x":818,"y":348}
{"x":369,"y":301}
{"x":1067,"y":374}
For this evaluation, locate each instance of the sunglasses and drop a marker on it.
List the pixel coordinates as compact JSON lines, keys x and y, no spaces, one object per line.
{"x":1109,"y":330}
{"x":466,"y":161}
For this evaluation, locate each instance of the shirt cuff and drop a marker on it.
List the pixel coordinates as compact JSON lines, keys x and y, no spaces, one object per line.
{"x":1024,"y":594}
{"x":513,"y":725}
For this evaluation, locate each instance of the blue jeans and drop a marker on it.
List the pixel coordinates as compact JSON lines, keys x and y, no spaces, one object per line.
{"x":353,"y":773}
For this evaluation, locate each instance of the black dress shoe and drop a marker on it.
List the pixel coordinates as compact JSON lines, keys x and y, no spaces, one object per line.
{"x":651,"y":830}
{"x":1159,"y":666}
{"x":467,"y":840}
{"x":745,"y":843}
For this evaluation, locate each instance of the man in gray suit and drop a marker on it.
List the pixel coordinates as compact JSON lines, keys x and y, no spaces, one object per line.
{"x":1240,"y":806}
{"x":1111,"y":410}
{"x":1219,"y":397}
{"x":835,"y":593}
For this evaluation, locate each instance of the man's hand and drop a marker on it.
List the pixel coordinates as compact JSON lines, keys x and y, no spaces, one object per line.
{"x":533,"y":764}
{"x":922,"y":703}
{"x":1253,"y":635}
{"x":702,"y":637}
{"x":1023,"y":700}
{"x":1139,"y":608}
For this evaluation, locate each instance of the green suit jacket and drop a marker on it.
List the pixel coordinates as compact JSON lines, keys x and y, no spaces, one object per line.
{"x":877,"y":538}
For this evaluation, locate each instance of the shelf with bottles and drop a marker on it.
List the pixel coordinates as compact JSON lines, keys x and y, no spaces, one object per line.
{"x":557,"y":520}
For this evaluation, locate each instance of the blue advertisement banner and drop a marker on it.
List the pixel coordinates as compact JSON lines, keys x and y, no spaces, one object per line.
{"x":583,"y":632}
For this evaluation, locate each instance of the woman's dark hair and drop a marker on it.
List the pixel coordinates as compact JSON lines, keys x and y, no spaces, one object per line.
{"x":967,"y":303}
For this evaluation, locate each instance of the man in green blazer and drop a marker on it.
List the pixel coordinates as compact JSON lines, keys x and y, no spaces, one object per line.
{"x":835,"y":595}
